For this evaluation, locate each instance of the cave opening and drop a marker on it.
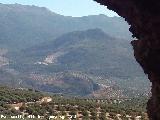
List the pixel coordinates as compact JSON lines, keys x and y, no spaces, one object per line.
{"x":121,"y":68}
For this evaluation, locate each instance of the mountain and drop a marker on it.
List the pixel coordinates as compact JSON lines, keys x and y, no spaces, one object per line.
{"x":81,"y":56}
{"x":91,"y":52}
{"x":23,"y":26}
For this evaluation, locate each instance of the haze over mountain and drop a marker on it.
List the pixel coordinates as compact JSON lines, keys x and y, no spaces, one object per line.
{"x":86,"y":56}
{"x":33,"y":25}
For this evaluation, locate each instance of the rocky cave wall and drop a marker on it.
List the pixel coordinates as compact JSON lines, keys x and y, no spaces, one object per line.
{"x":144,"y":18}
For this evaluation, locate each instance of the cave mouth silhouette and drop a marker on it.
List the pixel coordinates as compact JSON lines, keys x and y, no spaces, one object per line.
{"x":144,"y":18}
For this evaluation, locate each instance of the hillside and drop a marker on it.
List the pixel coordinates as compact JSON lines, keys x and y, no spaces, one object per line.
{"x":22,"y":103}
{"x":89,"y":51}
{"x":93,"y":53}
{"x":3,"y":60}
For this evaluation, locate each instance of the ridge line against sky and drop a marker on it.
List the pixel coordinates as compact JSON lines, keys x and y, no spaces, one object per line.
{"x":75,"y":8}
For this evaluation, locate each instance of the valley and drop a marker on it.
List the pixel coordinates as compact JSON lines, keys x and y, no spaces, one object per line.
{"x":86,"y":57}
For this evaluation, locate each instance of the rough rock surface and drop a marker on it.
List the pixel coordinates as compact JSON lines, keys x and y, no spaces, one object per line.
{"x":144,"y":18}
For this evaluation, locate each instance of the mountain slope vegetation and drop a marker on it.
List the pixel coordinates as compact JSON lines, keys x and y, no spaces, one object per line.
{"x":91,"y":52}
{"x":80,"y":56}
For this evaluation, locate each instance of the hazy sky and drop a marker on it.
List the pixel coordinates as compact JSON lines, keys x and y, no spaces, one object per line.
{"x":67,"y":7}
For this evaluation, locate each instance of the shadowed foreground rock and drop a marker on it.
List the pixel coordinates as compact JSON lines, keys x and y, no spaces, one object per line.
{"x":144,"y":18}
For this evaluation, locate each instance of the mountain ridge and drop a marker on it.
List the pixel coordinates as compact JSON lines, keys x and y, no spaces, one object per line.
{"x":46,"y":25}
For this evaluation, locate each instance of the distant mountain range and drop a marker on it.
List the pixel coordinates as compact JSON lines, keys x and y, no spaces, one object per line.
{"x":33,"y":25}
{"x":81,"y":56}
